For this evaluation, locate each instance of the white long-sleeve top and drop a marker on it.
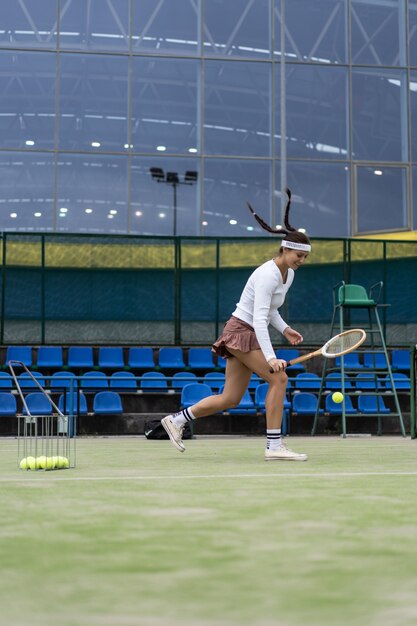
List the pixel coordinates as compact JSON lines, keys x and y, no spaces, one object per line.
{"x":263,"y":294}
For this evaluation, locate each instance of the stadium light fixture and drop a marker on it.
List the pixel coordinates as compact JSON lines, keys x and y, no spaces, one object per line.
{"x":172,"y":178}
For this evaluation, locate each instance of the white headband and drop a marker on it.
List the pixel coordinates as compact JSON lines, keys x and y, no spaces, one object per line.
{"x":296,"y":246}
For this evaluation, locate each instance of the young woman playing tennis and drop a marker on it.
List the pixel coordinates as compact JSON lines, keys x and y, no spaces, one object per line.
{"x":246,"y":344}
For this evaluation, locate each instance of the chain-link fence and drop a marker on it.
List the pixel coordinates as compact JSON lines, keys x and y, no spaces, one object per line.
{"x":160,"y":290}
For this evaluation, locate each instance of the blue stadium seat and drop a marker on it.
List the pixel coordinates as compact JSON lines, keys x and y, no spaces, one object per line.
{"x":351,"y":360}
{"x":180,"y":379}
{"x":19,"y":353}
{"x":7,"y":404}
{"x":111,"y":358}
{"x":194,"y":392}
{"x":141,"y":358}
{"x":221,"y":362}
{"x":401,"y":381}
{"x":334,"y":381}
{"x":200,"y":359}
{"x":80,"y":357}
{"x":26,"y":381}
{"x":215,"y":380}
{"x":90,"y":381}
{"x":367,"y":381}
{"x":154,"y":381}
{"x":372,"y":404}
{"x":287,"y":354}
{"x":50,"y":356}
{"x":107,"y":403}
{"x":400,"y":360}
{"x":375,"y":360}
{"x":307,"y":380}
{"x":6,"y":380}
{"x":76,"y":397}
{"x":334,"y":408}
{"x":62,"y":380}
{"x":123,"y":381}
{"x":171,"y":358}
{"x":305,"y":403}
{"x":38,"y":404}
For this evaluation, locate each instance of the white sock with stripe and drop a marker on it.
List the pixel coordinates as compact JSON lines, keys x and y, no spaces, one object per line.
{"x":273,"y":438}
{"x":184,"y":416}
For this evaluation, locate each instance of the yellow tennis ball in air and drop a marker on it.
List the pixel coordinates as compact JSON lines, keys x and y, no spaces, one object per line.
{"x":337,"y":397}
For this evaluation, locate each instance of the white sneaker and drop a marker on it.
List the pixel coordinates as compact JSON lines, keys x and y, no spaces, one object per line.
{"x":174,"y":432}
{"x":284,"y":454}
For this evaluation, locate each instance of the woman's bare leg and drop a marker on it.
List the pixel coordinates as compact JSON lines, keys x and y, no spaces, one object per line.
{"x":274,"y":404}
{"x":238,"y":373}
{"x":255,"y":361}
{"x":236,"y":383}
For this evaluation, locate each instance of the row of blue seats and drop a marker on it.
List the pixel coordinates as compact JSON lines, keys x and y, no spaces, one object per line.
{"x":400,"y":360}
{"x":303,"y":403}
{"x":104,"y":403}
{"x":82,"y":357}
{"x":365,"y":381}
{"x":121,"y":380}
{"x":109,"y":402}
{"x":127,"y":381}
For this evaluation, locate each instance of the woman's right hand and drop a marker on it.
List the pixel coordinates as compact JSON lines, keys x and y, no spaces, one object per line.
{"x":277,"y":365}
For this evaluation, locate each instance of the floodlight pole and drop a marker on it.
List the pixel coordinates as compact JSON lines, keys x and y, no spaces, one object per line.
{"x":174,"y":181}
{"x":174,"y":187}
{"x":175,"y":184}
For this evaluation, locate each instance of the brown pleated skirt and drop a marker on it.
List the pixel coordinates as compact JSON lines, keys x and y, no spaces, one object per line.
{"x":237,"y":335}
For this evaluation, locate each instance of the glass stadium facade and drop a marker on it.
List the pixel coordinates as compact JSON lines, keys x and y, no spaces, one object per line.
{"x":164,"y":117}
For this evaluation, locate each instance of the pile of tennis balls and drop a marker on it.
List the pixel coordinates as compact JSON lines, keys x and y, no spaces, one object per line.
{"x":44,"y":462}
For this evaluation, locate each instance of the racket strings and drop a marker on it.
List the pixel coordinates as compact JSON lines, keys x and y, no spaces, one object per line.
{"x":344,"y":342}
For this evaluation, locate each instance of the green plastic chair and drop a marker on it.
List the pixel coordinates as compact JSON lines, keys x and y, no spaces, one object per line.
{"x":354,"y":295}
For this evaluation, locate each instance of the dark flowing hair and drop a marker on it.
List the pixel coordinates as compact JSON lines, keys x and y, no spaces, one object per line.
{"x":290,"y":233}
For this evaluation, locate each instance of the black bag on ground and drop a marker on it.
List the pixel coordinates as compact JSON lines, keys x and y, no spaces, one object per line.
{"x":155,"y":430}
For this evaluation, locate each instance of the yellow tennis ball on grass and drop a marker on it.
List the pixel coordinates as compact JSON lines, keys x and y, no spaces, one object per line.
{"x":31,"y":462}
{"x":24,"y":464}
{"x":337,"y":397}
{"x":41,"y":461}
{"x":49,"y":464}
{"x":62,"y":462}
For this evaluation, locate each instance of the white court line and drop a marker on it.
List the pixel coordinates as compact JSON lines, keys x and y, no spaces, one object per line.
{"x":211,"y":476}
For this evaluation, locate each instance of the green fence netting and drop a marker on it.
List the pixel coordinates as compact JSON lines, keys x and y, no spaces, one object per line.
{"x":153,"y":290}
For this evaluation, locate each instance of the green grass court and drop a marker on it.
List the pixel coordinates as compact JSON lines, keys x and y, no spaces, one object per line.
{"x":139,"y":534}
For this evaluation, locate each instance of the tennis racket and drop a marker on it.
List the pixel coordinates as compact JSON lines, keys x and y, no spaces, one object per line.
{"x":336,"y":346}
